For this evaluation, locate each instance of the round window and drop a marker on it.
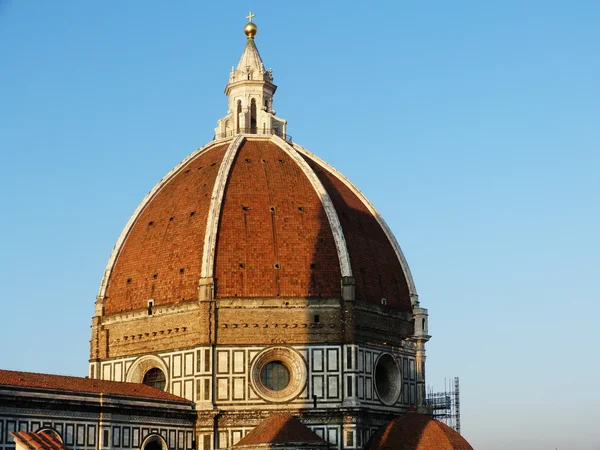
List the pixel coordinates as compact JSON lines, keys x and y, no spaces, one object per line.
{"x":388,"y":379}
{"x":275,"y":376}
{"x":155,"y":378}
{"x":278,"y":374}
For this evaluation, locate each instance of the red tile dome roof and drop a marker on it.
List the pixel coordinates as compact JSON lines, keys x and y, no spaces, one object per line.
{"x":265,"y":218}
{"x":281,"y":429}
{"x":417,"y":432}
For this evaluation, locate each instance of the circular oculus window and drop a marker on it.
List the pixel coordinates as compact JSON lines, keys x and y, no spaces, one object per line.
{"x":388,"y":379}
{"x":278,"y":374}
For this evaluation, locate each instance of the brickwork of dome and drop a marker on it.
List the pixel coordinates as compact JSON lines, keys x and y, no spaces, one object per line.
{"x":264,"y":218}
{"x":161,"y":256}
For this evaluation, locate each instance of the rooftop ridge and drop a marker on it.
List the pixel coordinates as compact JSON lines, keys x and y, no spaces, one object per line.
{"x":83,"y":385}
{"x":280,"y":428}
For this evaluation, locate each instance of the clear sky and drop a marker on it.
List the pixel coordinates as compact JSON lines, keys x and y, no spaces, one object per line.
{"x":473,"y":126}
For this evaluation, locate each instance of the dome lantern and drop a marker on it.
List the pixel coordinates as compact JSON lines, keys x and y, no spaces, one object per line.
{"x":250,"y":91}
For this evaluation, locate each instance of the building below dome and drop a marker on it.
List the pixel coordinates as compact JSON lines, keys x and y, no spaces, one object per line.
{"x":281,"y":431}
{"x":417,"y":432}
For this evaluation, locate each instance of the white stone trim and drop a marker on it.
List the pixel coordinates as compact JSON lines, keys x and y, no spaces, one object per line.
{"x":117,"y":248}
{"x":411,"y":284}
{"x":330,"y":211}
{"x":143,"y":364}
{"x":296,"y":366}
{"x":214,"y":212}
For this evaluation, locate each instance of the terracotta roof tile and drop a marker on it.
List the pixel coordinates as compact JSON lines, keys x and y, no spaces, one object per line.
{"x":280,"y":428}
{"x":375,"y":266}
{"x":417,"y":432}
{"x":167,"y":236}
{"x":82,"y":385}
{"x":42,"y":440}
{"x":274,"y":237}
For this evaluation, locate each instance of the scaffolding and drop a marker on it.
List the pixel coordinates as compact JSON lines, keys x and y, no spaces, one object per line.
{"x":445,"y":406}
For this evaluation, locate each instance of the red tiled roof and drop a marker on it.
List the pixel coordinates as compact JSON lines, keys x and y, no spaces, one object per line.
{"x":42,"y":440}
{"x":283,"y":223}
{"x":167,"y":237}
{"x":82,"y":385}
{"x":274,"y":238}
{"x":417,"y":432}
{"x":280,"y":429}
{"x":375,"y":266}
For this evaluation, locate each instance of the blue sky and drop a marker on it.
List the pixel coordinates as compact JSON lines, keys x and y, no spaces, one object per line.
{"x":472,"y":126}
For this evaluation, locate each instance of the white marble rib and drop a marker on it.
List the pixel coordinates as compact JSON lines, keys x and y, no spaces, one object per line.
{"x":117,"y":248}
{"x":214,"y":212}
{"x":411,"y":284}
{"x":330,"y":211}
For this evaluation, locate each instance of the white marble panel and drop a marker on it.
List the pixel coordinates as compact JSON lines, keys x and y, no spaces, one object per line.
{"x":368,"y":362}
{"x":332,"y":386}
{"x":236,"y":435}
{"x":223,"y":361}
{"x":188,"y":367}
{"x":317,"y":360}
{"x":238,"y":388}
{"x":177,"y":388}
{"x":332,"y":436}
{"x":332,"y":360}
{"x":118,"y":375}
{"x":176,"y":366}
{"x":222,"y":389}
{"x":317,"y":386}
{"x":106,"y":372}
{"x":188,"y":389}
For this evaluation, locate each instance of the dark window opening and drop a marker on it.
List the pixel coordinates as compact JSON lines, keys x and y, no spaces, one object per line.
{"x":275,"y":376}
{"x":154,"y":444}
{"x":155,"y":378}
{"x":253,"y":116}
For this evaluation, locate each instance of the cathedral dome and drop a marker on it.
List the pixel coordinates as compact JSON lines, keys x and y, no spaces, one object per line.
{"x":253,"y":215}
{"x":255,"y":276}
{"x":417,"y":432}
{"x":263,"y":217}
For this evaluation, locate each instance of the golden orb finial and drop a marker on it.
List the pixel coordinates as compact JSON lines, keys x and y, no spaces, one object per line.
{"x":250,"y":29}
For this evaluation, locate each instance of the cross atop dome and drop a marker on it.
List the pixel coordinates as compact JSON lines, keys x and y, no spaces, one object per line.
{"x":250,"y":91}
{"x":250,"y":29}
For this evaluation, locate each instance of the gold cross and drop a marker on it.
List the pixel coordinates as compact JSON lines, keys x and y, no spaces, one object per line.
{"x":250,"y":16}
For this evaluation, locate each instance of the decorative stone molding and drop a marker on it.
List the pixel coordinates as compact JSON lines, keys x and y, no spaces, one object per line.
{"x":294,"y":363}
{"x":154,"y":438}
{"x":214,"y":213}
{"x":388,"y":379}
{"x":117,"y":248}
{"x":143,"y":364}
{"x":330,"y":211}
{"x":409,"y":279}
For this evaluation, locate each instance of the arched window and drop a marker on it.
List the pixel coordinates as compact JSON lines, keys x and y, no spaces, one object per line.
{"x":153,"y":445}
{"x":238,"y":116}
{"x":51,"y":431}
{"x":154,"y":442}
{"x":253,"y":116}
{"x":155,"y":378}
